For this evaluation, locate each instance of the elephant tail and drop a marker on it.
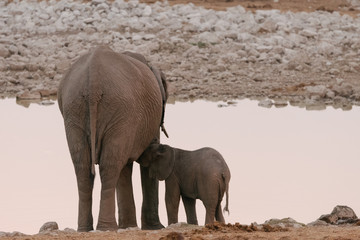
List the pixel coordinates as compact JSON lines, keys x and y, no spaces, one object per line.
{"x":226,"y":181}
{"x":93,"y":122}
{"x":93,"y":111}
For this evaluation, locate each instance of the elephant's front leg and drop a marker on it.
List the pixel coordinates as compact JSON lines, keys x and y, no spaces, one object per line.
{"x":150,"y":205}
{"x":109,"y":175}
{"x":190,"y":209}
{"x":125,"y":198}
{"x":172,"y":199}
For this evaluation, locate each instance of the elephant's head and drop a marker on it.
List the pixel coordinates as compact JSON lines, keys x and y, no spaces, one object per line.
{"x":160,"y":160}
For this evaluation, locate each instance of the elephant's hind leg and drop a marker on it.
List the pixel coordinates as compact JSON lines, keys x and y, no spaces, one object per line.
{"x":218,"y":214}
{"x":210,"y":212}
{"x":112,"y":160}
{"x":80,"y":154}
{"x":190,"y":209}
{"x":125,"y":198}
{"x":109,"y":175}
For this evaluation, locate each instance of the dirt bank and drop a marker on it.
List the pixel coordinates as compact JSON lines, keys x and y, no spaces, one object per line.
{"x":302,"y":54}
{"x":235,"y":231}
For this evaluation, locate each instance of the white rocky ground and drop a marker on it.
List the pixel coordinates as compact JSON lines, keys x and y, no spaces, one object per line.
{"x":304,"y":58}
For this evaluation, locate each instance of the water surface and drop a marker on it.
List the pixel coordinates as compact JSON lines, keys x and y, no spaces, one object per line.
{"x":285,"y":162}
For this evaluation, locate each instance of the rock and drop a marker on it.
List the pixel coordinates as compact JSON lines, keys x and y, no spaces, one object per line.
{"x":4,"y":52}
{"x":147,"y":11}
{"x":308,"y":33}
{"x":265,"y":103}
{"x":285,"y":222}
{"x":319,"y":90}
{"x":97,"y":2}
{"x":17,"y":66}
{"x":69,"y":230}
{"x":16,"y":234}
{"x":13,"y":49}
{"x":46,"y":103}
{"x":280,"y":103}
{"x":208,"y":37}
{"x":31,"y":67}
{"x":178,"y":225}
{"x":269,"y":26}
{"x":334,"y":71}
{"x":129,"y":229}
{"x":317,"y":223}
{"x":344,"y":90}
{"x":28,"y":96}
{"x":339,"y":215}
{"x":49,"y":226}
{"x":258,"y":78}
{"x":45,"y":93}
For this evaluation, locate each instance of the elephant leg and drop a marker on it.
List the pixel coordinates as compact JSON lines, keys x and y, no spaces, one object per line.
{"x":218,"y":214}
{"x":210,"y":213}
{"x":125,"y":198}
{"x":80,"y":154}
{"x":85,"y":181}
{"x":190,"y":209}
{"x":109,"y":175}
{"x":172,"y":200}
{"x":150,"y":205}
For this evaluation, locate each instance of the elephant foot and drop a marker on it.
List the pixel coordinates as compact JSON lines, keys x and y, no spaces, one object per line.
{"x":124,"y":226}
{"x":107,"y":227}
{"x":85,"y":229}
{"x":152,"y":227}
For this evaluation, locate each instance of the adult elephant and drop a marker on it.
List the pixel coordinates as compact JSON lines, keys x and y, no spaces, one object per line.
{"x":112,"y":105}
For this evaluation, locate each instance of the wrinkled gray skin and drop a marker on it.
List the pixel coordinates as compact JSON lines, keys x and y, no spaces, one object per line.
{"x":201,"y":174}
{"x":112,"y":107}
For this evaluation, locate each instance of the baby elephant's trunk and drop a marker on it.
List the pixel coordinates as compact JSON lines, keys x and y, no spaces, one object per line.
{"x":226,"y":181}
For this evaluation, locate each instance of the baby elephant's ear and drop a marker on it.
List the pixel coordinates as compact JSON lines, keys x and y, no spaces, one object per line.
{"x":147,"y":156}
{"x":164,"y":162}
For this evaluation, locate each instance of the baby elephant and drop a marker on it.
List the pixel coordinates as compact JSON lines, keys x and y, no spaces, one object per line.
{"x":200,"y":174}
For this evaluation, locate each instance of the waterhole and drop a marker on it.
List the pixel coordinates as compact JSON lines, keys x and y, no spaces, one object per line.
{"x":284,"y":162}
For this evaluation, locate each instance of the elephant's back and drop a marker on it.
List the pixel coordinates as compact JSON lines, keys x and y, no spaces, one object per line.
{"x":213,"y":166}
{"x":112,"y":80}
{"x":120,"y":92}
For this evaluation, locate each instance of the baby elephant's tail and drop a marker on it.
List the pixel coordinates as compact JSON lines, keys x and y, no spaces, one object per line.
{"x":226,"y":181}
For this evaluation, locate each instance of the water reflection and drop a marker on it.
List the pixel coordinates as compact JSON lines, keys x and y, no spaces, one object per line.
{"x":285,"y":162}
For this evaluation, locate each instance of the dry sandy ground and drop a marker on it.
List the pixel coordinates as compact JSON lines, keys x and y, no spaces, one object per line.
{"x":232,"y":231}
{"x":240,"y":232}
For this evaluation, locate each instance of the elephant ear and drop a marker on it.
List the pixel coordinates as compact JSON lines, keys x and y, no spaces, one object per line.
{"x":137,"y":56}
{"x":160,"y":76}
{"x":148,"y":155}
{"x":163,"y":164}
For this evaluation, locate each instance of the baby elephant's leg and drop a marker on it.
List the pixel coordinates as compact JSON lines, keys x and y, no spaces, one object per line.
{"x":172,"y":200}
{"x":190,"y":209}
